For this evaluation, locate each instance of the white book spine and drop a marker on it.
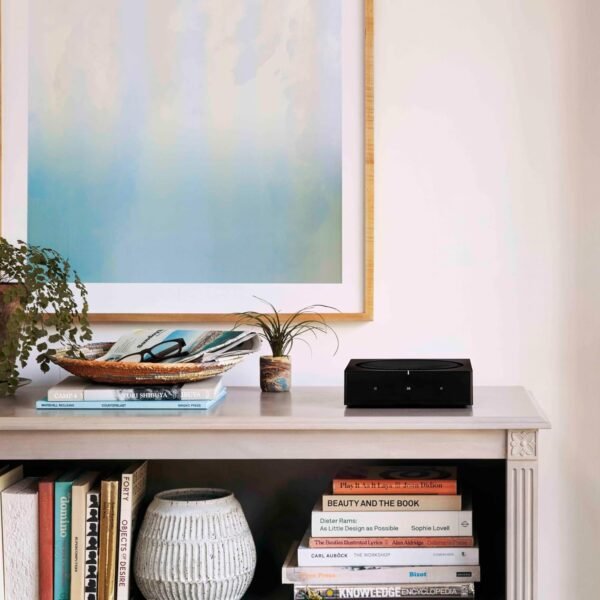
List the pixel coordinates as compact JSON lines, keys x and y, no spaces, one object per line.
{"x":60,"y":395}
{"x":124,"y":541}
{"x":379,"y":575}
{"x":7,"y":479}
{"x":74,"y":389}
{"x":70,"y":388}
{"x":392,"y":524}
{"x":133,"y":489}
{"x":124,"y":394}
{"x":20,"y":533}
{"x":199,"y":394}
{"x":106,"y":394}
{"x":359,"y":557}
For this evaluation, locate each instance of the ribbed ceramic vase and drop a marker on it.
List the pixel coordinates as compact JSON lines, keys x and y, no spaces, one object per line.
{"x":194,"y":544}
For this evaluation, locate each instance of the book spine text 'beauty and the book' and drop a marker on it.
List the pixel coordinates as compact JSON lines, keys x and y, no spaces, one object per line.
{"x":395,"y":502}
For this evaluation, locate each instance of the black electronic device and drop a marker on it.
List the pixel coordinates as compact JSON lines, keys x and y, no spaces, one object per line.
{"x":408,"y":383}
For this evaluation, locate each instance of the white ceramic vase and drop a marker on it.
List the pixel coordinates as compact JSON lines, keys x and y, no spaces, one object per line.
{"x":194,"y":544}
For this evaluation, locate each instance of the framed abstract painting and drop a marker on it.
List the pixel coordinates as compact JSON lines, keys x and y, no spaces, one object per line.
{"x":187,"y":155}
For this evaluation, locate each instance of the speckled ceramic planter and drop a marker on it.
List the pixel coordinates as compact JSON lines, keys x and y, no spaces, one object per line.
{"x":275,"y":373}
{"x":194,"y":544}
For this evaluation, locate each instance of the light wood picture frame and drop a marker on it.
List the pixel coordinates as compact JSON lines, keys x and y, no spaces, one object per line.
{"x":13,"y":199}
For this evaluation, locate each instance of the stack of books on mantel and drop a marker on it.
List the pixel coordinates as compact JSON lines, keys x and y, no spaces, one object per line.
{"x":68,"y":535}
{"x":387,"y":532}
{"x":75,"y":393}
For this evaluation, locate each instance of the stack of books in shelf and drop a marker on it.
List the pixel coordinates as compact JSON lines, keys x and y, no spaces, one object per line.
{"x":387,"y":532}
{"x":75,"y":393}
{"x":68,"y":535}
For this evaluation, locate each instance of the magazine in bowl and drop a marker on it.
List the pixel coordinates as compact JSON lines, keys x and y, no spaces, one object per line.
{"x":156,"y":357}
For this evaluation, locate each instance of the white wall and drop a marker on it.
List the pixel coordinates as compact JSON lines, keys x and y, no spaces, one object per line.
{"x":487,"y":221}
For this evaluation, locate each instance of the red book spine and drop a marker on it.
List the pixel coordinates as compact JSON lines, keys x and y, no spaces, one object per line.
{"x":46,"y":535}
{"x":395,"y":486}
{"x":393,"y":542}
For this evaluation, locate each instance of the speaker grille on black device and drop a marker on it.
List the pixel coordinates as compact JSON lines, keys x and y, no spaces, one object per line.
{"x":409,"y":365}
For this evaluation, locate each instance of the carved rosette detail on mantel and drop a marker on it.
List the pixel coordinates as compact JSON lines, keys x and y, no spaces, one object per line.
{"x":522,"y":445}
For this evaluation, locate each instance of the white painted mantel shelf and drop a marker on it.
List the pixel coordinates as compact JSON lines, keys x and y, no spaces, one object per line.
{"x":308,"y":423}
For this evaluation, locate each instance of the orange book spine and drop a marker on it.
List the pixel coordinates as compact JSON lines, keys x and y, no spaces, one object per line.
{"x":46,"y":537}
{"x":394,"y":486}
{"x":393,"y":542}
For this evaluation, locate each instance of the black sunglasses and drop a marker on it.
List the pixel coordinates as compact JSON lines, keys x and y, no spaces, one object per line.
{"x":158,"y":352}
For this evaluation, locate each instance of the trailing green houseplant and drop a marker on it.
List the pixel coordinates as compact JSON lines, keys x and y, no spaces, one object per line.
{"x":38,"y":307}
{"x":280,"y":332}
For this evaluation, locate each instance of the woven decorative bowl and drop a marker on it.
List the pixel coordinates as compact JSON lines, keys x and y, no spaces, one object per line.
{"x":128,"y":373}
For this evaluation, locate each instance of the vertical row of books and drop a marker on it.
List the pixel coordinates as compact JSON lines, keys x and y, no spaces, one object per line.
{"x":68,"y":535}
{"x":387,"y":532}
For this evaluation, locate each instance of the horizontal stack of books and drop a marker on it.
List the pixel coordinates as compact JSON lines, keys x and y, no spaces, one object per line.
{"x":79,"y":394}
{"x":68,"y":536}
{"x":387,"y":532}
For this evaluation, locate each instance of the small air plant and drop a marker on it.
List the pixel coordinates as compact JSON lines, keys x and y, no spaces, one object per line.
{"x":281,"y":331}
